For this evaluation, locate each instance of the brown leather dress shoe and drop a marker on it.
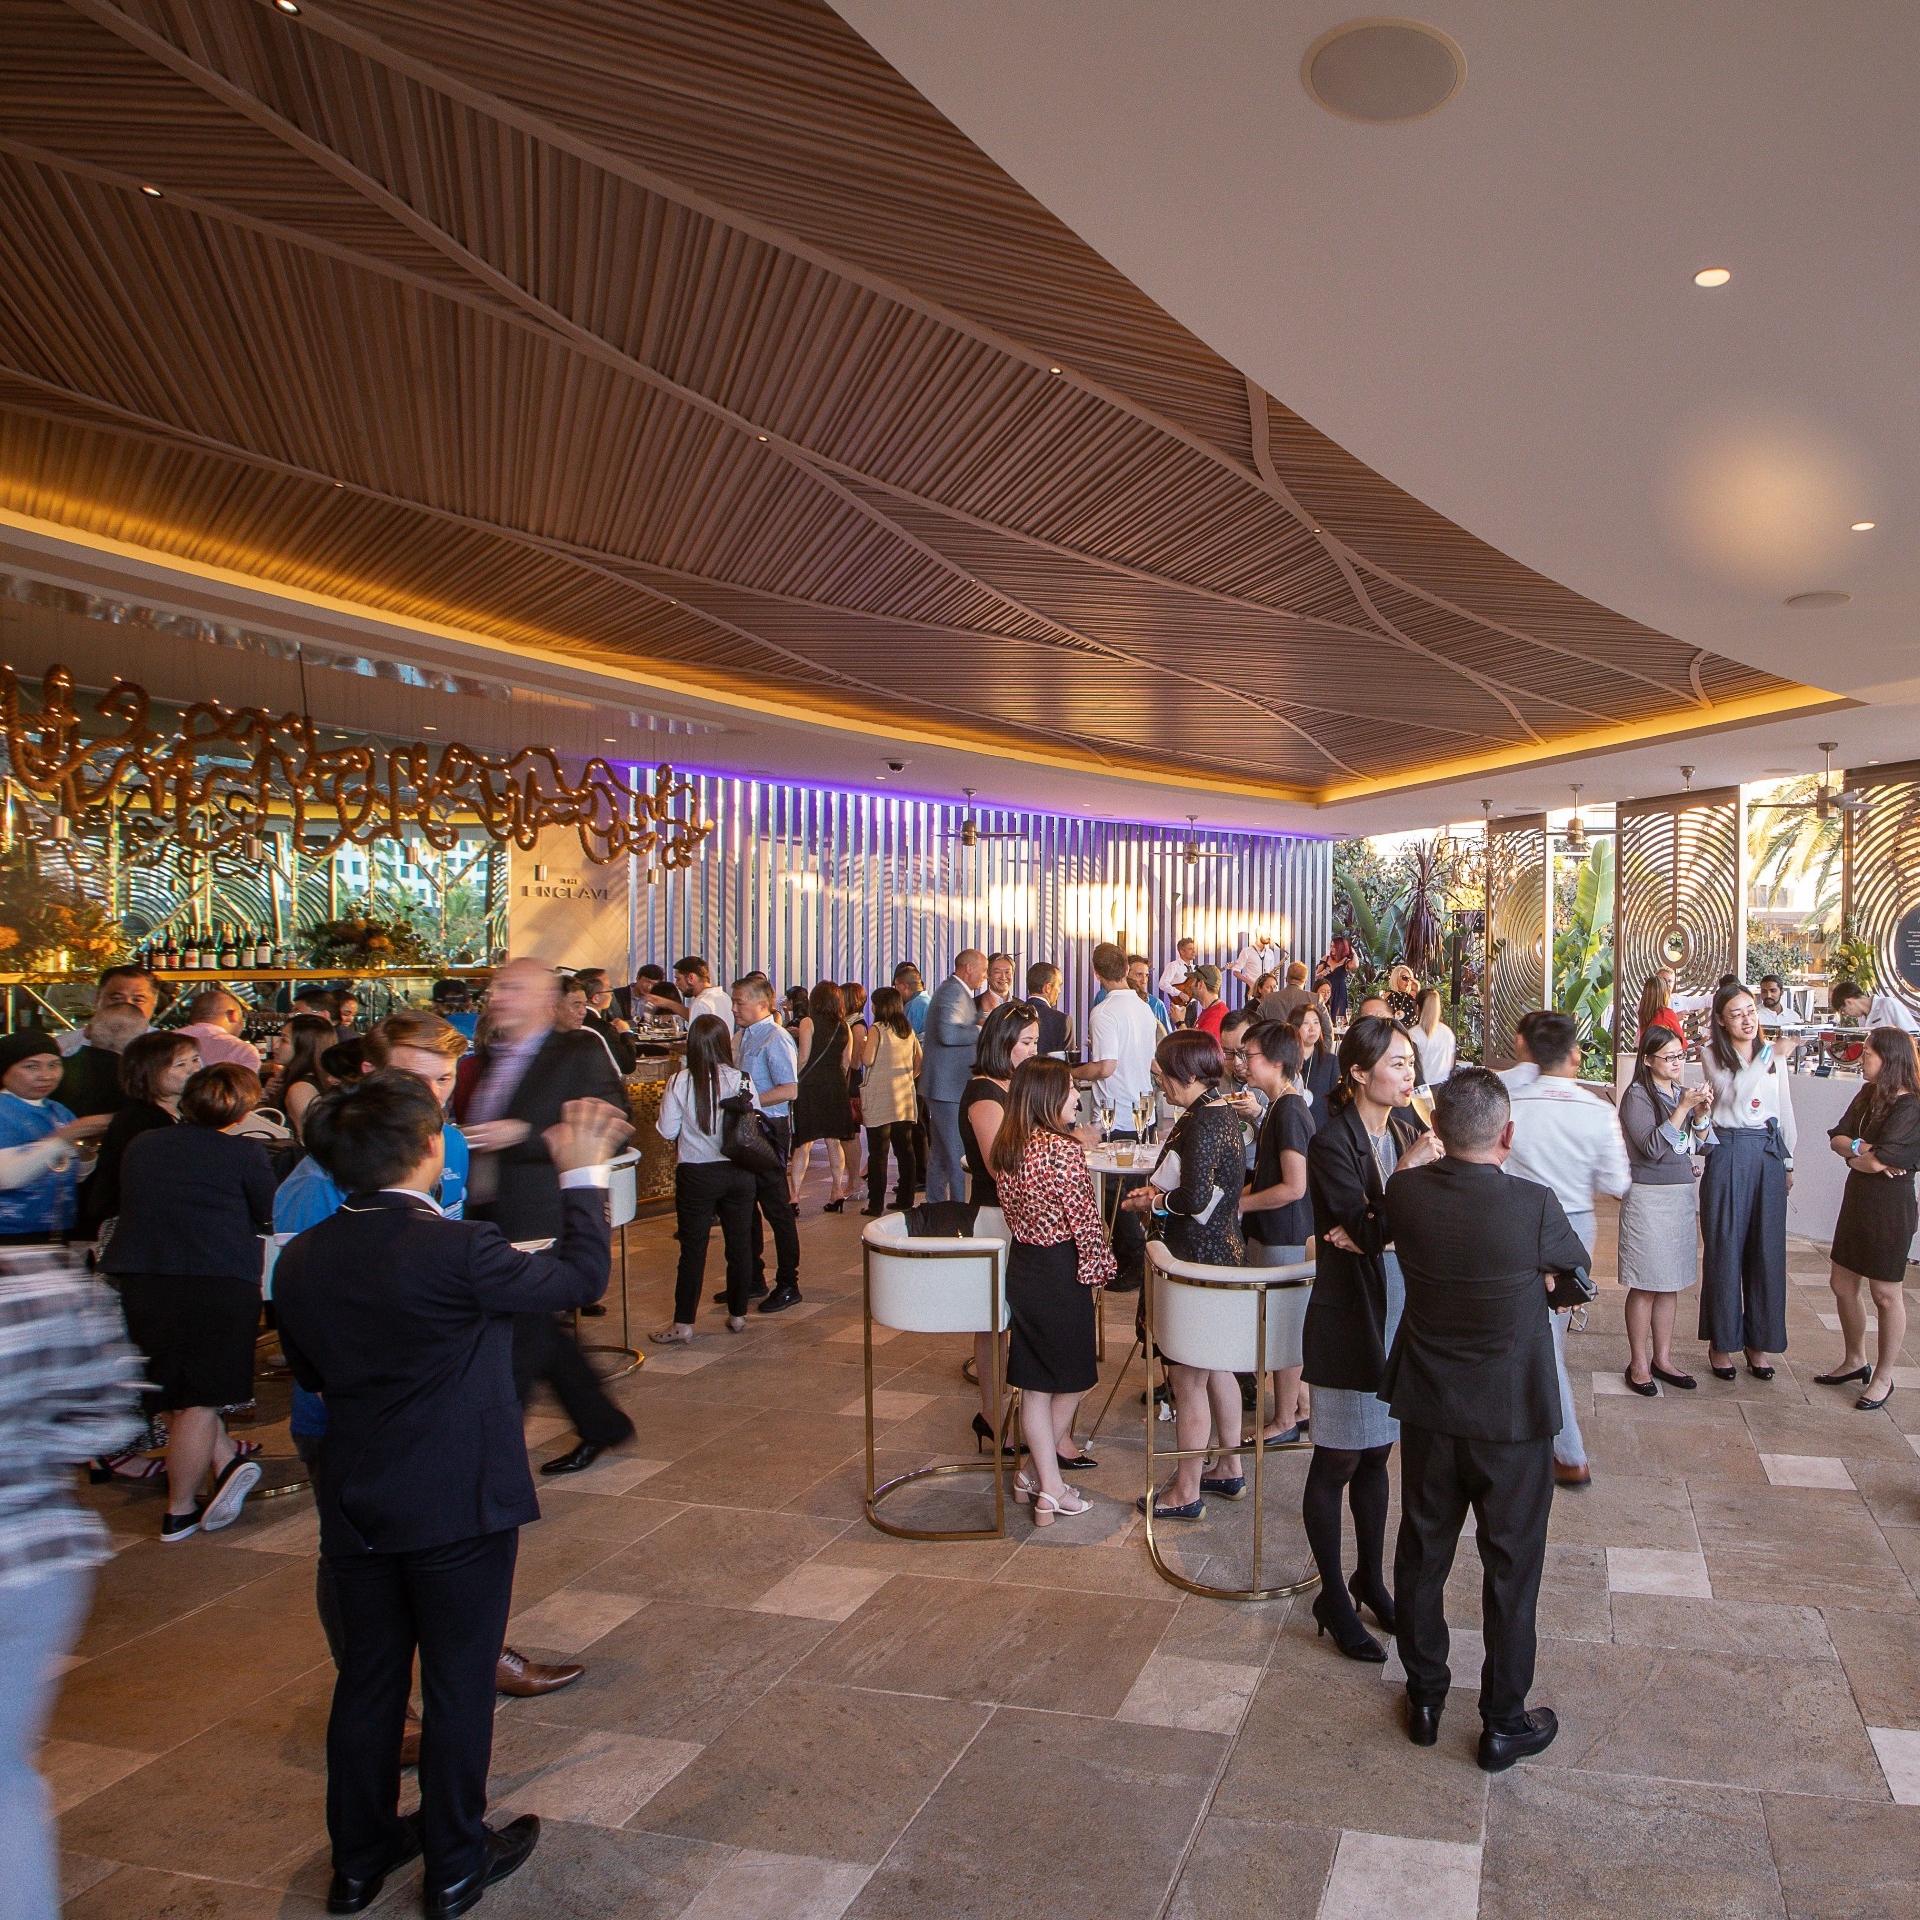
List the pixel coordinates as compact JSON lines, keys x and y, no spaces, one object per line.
{"x":524,"y":1679}
{"x":1564,"y":1476}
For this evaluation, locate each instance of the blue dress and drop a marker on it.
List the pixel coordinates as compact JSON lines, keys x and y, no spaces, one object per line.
{"x":44,"y":1205}
{"x":1344,"y":1417}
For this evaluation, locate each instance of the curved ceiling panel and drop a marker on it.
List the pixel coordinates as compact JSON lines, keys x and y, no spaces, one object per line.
{"x":686,"y":331}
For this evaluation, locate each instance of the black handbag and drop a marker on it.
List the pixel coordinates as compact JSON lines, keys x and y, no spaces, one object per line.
{"x":744,"y":1138}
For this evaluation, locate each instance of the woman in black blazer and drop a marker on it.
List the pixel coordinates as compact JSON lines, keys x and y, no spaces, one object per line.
{"x":1319,"y":1071}
{"x":1351,"y":1318}
{"x":186,"y":1257}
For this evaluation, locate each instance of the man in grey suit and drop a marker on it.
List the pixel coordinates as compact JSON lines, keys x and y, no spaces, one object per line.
{"x":953,"y":1026}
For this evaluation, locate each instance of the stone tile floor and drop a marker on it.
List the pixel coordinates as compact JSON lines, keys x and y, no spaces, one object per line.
{"x":788,"y":1716}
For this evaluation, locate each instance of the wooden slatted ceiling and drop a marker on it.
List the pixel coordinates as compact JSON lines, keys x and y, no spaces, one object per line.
{"x":684,"y":330}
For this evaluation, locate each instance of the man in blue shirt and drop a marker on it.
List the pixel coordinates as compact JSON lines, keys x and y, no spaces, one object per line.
{"x":764,"y":1051}
{"x":914,"y":996}
{"x":429,"y":1048}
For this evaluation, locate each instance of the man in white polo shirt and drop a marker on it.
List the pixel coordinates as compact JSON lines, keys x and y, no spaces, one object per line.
{"x":1121,"y":1037}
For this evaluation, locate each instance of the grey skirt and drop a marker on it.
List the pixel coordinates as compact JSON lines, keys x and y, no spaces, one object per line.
{"x":1659,"y":1244}
{"x":1346,"y":1418}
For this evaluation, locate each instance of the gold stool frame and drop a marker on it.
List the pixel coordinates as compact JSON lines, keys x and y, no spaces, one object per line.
{"x":1262,"y":1287}
{"x":996,"y":1305}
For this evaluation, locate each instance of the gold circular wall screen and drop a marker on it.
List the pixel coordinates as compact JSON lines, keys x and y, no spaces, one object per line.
{"x":1383,"y":70}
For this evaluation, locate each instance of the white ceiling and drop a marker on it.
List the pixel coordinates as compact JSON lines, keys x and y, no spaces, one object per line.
{"x":1494,"y":306}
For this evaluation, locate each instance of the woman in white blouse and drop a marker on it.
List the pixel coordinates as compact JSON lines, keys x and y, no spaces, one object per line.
{"x":1743,"y":1194}
{"x":706,"y":1184}
{"x":1434,"y":1042}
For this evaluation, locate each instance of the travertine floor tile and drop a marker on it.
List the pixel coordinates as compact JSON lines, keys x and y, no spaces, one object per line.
{"x":778,"y":1886}
{"x":573,"y":1618}
{"x":817,"y":1592}
{"x":1379,"y":1873}
{"x":1807,"y":1470}
{"x":888,"y":1405}
{"x":1207,"y":1695}
{"x":1898,"y":1751}
{"x":74,"y":1770}
{"x":1658,"y":1570}
{"x":604,"y":1781}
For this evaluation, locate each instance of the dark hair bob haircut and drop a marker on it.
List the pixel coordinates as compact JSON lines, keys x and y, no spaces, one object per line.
{"x":374,"y":1133}
{"x":999,"y":1034}
{"x":147,"y":1058}
{"x":218,"y":1096}
{"x":1191,"y":1055}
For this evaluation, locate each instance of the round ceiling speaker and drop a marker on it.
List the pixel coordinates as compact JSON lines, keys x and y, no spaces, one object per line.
{"x":1809,"y":602}
{"x":1382,"y":70}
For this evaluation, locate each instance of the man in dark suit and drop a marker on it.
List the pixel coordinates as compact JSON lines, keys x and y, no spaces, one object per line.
{"x":403,"y":1319}
{"x":1043,"y":995}
{"x":1471,"y":1380}
{"x":528,"y":1073}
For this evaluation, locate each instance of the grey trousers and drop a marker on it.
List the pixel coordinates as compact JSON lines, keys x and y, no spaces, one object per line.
{"x":946,"y":1163}
{"x":1743,"y":1244}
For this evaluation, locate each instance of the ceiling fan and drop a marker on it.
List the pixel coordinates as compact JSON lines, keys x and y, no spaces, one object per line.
{"x":972,"y":833}
{"x":1193,"y":853}
{"x":1826,"y":801}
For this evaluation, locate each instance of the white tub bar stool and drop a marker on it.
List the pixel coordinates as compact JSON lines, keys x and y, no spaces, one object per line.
{"x":936,"y":1286}
{"x":623,"y":1203}
{"x":1228,"y":1320}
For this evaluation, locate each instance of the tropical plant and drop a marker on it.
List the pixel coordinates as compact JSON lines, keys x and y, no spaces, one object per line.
{"x":1583,"y":950}
{"x":1854,"y":960}
{"x":1424,"y":876}
{"x":42,"y":920}
{"x":1788,"y":842}
{"x":1364,"y":906}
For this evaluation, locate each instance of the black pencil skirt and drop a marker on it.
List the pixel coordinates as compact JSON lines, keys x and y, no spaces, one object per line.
{"x":1052,"y":1349}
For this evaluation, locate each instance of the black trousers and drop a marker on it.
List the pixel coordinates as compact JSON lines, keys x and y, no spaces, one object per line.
{"x":450,"y":1604}
{"x":900,"y":1137}
{"x":544,"y":1350}
{"x":773,"y":1207}
{"x":703,"y":1192}
{"x":326,"y":1597}
{"x":1509,"y":1489}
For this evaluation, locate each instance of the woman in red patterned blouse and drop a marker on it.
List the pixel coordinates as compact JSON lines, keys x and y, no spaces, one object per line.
{"x":1059,"y":1255}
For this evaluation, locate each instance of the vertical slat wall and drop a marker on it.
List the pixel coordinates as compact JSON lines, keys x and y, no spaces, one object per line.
{"x":812,"y":883}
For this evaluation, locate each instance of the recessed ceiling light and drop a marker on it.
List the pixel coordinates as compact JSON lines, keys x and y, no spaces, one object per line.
{"x":1873,"y":763}
{"x":429,"y":727}
{"x":1381,"y":71}
{"x":1713,"y":276}
{"x":153,"y":193}
{"x":1812,"y":602}
{"x":1862,"y":526}
{"x":288,"y":6}
{"x":607,"y":740}
{"x":761,"y":436}
{"x":1053,"y":369}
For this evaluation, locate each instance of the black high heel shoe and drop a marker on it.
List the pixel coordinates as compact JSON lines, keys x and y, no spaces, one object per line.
{"x":983,"y":1438}
{"x":1348,"y":1634}
{"x":1376,"y":1601}
{"x":835,"y":1206}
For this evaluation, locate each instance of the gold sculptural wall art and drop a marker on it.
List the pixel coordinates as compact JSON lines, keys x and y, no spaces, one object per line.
{"x":225,"y":777}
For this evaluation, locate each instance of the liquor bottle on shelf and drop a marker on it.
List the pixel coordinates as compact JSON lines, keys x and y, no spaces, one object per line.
{"x":190,"y":952}
{"x":262,"y":948}
{"x":170,"y":954}
{"x":229,"y":953}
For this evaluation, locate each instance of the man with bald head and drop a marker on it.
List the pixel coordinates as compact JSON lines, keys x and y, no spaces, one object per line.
{"x":953,"y":1027}
{"x":529,"y":1070}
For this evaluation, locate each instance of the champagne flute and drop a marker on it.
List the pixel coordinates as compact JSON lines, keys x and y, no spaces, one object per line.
{"x":1421,"y":1101}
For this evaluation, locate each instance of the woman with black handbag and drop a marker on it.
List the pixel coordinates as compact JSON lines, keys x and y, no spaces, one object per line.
{"x":699,"y":1112}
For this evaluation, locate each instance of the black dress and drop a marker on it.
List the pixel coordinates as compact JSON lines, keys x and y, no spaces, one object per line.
{"x":823,"y":1108}
{"x":1213,"y":1161}
{"x":1319,"y":1075}
{"x":982,"y":1190}
{"x":1878,"y":1212}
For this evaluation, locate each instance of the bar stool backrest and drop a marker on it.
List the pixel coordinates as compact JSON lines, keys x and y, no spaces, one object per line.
{"x":1209,"y":1316}
{"x":936,"y":1286}
{"x":623,"y":1190}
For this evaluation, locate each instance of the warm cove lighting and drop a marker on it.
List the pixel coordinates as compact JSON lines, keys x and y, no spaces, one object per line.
{"x":1713,"y":276}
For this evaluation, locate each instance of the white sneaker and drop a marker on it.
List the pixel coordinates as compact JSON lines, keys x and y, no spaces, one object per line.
{"x":230,"y":1494}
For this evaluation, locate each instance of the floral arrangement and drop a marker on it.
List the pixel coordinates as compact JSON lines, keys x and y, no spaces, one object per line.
{"x":362,"y":940}
{"x":40,"y":922}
